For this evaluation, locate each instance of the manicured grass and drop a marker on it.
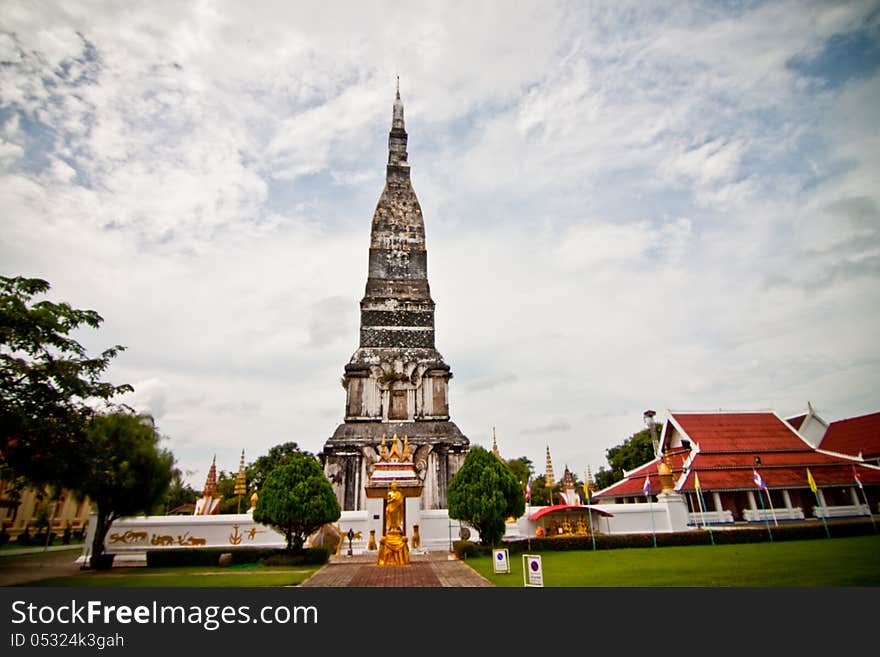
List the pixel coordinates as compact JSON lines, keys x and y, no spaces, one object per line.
{"x":820,"y":562}
{"x":249,"y":575}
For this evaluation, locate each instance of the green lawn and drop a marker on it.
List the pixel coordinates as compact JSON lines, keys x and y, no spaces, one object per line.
{"x":205,"y":576}
{"x":820,"y":562}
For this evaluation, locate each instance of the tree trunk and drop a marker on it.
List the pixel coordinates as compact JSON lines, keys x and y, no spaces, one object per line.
{"x":103,"y":522}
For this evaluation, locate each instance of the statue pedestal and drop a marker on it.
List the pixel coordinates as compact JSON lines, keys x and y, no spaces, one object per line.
{"x":393,"y":549}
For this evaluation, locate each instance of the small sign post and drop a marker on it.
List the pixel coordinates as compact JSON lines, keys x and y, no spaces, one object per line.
{"x":500,"y":560}
{"x":533,"y":574}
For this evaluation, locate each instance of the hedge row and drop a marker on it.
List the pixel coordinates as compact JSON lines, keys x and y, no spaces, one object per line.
{"x":211,"y":557}
{"x":465,"y":549}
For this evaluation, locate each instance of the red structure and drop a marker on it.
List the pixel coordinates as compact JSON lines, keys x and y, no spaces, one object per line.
{"x":724,"y":450}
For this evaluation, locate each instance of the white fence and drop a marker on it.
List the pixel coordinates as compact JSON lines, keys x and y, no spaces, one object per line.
{"x":763,"y":515}
{"x":699,"y":519}
{"x":841,"y":511}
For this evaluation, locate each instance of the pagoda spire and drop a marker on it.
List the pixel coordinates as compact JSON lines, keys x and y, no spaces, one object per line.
{"x":398,"y":167}
{"x":240,"y":481}
{"x":549,"y":479}
{"x":495,"y":446}
{"x":211,"y":482}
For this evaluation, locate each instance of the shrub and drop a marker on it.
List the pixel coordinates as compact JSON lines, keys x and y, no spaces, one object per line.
{"x":4,"y":535}
{"x":24,"y":539}
{"x":755,"y":534}
{"x":466,"y":549}
{"x":239,"y":556}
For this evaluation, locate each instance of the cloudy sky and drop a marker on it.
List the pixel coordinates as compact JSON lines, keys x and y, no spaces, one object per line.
{"x":627,"y":206}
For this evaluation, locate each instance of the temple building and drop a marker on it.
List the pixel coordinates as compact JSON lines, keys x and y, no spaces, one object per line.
{"x":745,"y":466}
{"x":30,"y":510}
{"x":396,"y":381}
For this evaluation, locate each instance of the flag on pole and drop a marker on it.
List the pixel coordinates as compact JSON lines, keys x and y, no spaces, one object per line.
{"x":529,"y":490}
{"x":811,"y":481}
{"x":759,"y":482}
{"x":646,"y":488}
{"x":858,"y":478}
{"x":696,"y":481}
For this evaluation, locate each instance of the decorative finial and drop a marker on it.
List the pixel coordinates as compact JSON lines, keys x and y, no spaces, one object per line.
{"x":398,"y":86}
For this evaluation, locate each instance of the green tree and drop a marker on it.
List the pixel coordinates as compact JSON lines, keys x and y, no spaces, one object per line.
{"x":542,"y":495}
{"x":296,"y":499}
{"x":484,"y":492}
{"x":522,"y":469}
{"x":278,"y":455}
{"x":179,"y":492}
{"x":46,"y":381}
{"x":122,"y":470}
{"x":633,"y":452}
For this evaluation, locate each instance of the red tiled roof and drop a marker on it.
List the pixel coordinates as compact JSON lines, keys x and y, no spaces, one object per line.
{"x":727,"y":445}
{"x":739,"y":432}
{"x":633,"y":483}
{"x":853,"y":436}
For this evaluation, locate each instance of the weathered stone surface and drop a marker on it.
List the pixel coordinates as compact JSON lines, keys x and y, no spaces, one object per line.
{"x":396,"y":381}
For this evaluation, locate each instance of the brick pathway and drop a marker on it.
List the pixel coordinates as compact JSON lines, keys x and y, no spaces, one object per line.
{"x":427,"y":570}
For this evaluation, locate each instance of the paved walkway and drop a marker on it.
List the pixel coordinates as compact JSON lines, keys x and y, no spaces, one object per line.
{"x":434,"y":569}
{"x":32,"y":566}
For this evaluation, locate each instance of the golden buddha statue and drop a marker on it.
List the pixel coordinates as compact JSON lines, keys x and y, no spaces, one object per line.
{"x":394,"y":502}
{"x":393,"y":547}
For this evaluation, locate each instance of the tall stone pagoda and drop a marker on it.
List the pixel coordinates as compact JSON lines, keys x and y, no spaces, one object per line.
{"x":396,"y":382}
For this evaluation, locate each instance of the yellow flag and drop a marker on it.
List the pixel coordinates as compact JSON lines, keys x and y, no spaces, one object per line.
{"x":696,"y":481}
{"x":811,"y":481}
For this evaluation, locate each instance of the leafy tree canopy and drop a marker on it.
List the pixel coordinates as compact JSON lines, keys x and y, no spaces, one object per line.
{"x":522,"y":469}
{"x":542,"y":495}
{"x":635,"y":451}
{"x":46,"y":380}
{"x":278,"y":455}
{"x":484,"y":492}
{"x":122,"y":470}
{"x":179,"y":492}
{"x":296,"y":499}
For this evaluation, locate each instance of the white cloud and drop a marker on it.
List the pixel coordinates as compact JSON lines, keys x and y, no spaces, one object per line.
{"x":626,"y":205}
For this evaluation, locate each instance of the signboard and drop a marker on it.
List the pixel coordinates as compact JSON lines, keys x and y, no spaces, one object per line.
{"x":500,"y":560}
{"x":533,"y":574}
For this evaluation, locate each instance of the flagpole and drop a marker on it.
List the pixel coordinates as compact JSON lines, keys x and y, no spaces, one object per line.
{"x":590,"y":510}
{"x":824,"y":522}
{"x":772,"y":510}
{"x":706,"y":524}
{"x":763,"y":509}
{"x":870,"y":515}
{"x":819,"y":505}
{"x":646,"y":489}
{"x":865,"y":496}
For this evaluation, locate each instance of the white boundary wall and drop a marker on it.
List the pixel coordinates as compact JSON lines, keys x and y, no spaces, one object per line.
{"x":134,"y":536}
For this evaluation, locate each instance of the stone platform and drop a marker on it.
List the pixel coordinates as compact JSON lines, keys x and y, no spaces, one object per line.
{"x":435,"y":569}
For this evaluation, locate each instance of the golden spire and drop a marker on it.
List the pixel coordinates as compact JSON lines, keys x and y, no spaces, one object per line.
{"x":241,"y":478}
{"x":394,"y":453}
{"x":495,"y":446}
{"x":407,"y":455}
{"x":549,"y":479}
{"x":383,"y":450}
{"x":240,"y":481}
